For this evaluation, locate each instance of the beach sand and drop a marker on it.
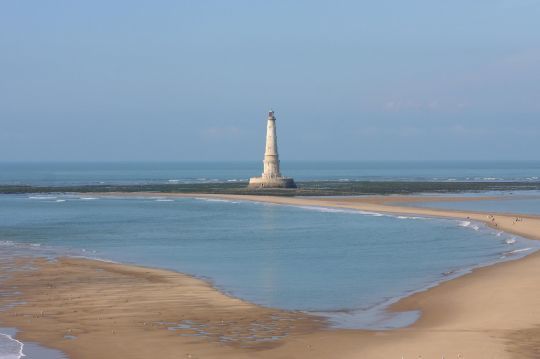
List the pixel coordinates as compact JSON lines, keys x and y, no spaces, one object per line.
{"x":93,"y":309}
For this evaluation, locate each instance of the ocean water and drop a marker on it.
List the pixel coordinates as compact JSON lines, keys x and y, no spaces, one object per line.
{"x":518,"y":204}
{"x":11,"y":348}
{"x":52,"y":174}
{"x":346,"y":264}
{"x":506,"y":194}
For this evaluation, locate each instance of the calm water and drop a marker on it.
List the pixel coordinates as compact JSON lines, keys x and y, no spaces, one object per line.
{"x":11,"y":348}
{"x":196,"y":172}
{"x":518,"y":204}
{"x":312,"y":259}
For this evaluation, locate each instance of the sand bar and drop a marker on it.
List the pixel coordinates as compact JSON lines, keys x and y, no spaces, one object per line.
{"x":91,"y":309}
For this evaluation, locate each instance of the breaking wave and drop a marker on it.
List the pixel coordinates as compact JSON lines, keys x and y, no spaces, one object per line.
{"x":10,"y":348}
{"x":355,"y":211}
{"x":42,"y":197}
{"x":214,"y":200}
{"x":518,"y":251}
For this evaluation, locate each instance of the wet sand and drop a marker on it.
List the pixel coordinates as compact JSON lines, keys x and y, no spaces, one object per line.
{"x":93,"y":309}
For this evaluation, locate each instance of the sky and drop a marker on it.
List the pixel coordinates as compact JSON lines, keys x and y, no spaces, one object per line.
{"x":193,"y":80}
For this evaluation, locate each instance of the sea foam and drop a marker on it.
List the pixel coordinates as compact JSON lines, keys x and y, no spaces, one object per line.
{"x":214,"y":200}
{"x":339,"y":210}
{"x":518,"y":251}
{"x":42,"y":197}
{"x":10,"y":348}
{"x":355,"y":211}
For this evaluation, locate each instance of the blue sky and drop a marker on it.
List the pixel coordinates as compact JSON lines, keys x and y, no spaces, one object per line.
{"x":193,"y":80}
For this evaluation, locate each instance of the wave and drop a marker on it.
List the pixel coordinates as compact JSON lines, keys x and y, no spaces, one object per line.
{"x":164,"y":200}
{"x":518,"y":251}
{"x":510,"y":240}
{"x":85,"y":250}
{"x":324,"y":209}
{"x":409,"y":217}
{"x":42,"y":197}
{"x":339,"y":210}
{"x":467,"y":224}
{"x":95,"y":259}
{"x":10,"y":348}
{"x":87,"y":198}
{"x":214,"y":200}
{"x":355,"y":211}
{"x":450,"y":272}
{"x":60,"y":200}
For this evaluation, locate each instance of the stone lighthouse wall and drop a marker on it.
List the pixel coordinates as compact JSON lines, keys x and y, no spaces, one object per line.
{"x":271,"y":176}
{"x":271,"y":157}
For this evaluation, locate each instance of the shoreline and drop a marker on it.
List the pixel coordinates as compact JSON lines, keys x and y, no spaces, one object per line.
{"x":423,"y":337}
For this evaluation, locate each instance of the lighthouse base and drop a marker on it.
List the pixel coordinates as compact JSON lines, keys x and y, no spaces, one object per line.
{"x":276,"y":182}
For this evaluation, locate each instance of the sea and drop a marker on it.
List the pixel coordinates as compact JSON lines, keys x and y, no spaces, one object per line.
{"x":64,"y":173}
{"x":515,"y":202}
{"x":345,"y":265}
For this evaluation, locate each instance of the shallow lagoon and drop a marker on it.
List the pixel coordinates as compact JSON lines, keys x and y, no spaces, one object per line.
{"x":348,"y":263}
{"x":519,"y":204}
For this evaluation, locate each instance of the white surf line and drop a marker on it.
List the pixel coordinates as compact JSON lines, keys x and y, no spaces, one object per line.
{"x":473,"y":224}
{"x":390,"y":210}
{"x":347,"y":210}
{"x":21,"y":344}
{"x":384,"y":209}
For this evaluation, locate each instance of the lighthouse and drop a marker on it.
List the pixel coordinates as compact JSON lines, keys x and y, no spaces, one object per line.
{"x":271,"y":176}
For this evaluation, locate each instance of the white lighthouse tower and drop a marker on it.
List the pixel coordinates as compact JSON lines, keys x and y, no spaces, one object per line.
{"x":271,"y":176}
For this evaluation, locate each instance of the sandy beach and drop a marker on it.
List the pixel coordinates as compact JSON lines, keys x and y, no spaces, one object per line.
{"x":94,"y":309}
